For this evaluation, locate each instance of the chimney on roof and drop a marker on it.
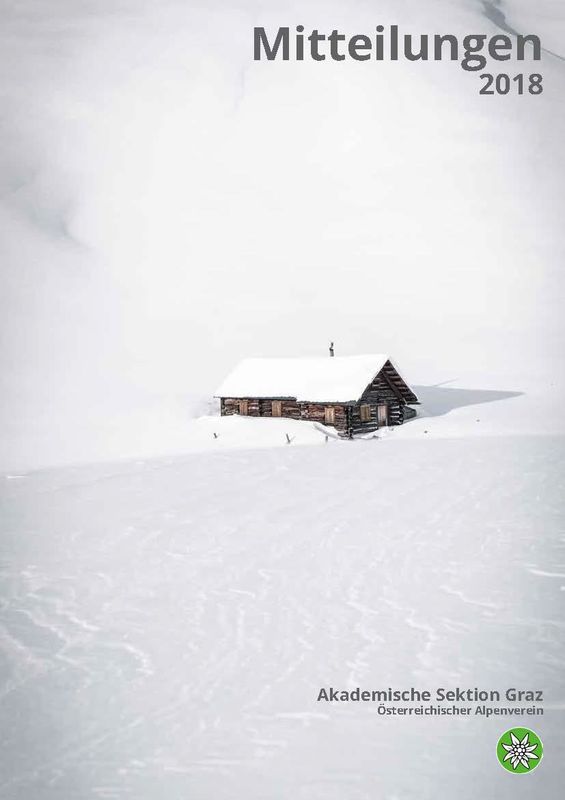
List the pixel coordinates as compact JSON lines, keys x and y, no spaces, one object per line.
{"x":331,"y":349}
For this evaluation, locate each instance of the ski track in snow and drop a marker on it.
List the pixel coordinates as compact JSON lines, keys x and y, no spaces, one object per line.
{"x":166,"y":627}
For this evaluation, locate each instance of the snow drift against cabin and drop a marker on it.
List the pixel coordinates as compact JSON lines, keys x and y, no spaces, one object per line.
{"x":323,"y":380}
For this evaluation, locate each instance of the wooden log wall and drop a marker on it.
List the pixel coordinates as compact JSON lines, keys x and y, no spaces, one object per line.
{"x":231,"y":406}
{"x":387,"y":388}
{"x":291,"y":409}
{"x":258,"y":407}
{"x":389,"y":376}
{"x":395,"y":416}
{"x":316,"y":412}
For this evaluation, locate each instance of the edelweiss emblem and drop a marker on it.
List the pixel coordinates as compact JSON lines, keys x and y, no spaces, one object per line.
{"x":519,"y":752}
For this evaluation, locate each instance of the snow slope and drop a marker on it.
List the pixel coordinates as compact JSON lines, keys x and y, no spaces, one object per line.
{"x":166,"y":625}
{"x":168,"y":206}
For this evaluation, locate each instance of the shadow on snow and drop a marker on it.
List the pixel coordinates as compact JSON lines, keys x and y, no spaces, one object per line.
{"x":438,"y":400}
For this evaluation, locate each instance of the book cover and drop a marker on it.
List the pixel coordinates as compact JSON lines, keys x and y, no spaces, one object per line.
{"x":282,"y":427}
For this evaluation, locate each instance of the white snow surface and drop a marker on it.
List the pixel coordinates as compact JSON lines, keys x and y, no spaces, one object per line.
{"x":338,"y":379}
{"x":166,"y":625}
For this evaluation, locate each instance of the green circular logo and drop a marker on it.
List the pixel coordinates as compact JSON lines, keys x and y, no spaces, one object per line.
{"x":519,"y":750}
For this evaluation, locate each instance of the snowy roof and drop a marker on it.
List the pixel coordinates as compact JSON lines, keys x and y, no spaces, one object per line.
{"x":339,"y":380}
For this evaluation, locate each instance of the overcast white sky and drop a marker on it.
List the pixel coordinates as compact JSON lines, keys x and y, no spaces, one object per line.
{"x":168,"y":206}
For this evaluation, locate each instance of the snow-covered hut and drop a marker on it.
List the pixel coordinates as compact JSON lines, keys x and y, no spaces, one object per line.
{"x":354,"y":394}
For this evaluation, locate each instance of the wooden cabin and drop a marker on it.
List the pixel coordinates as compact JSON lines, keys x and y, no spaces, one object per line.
{"x":354,"y":394}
